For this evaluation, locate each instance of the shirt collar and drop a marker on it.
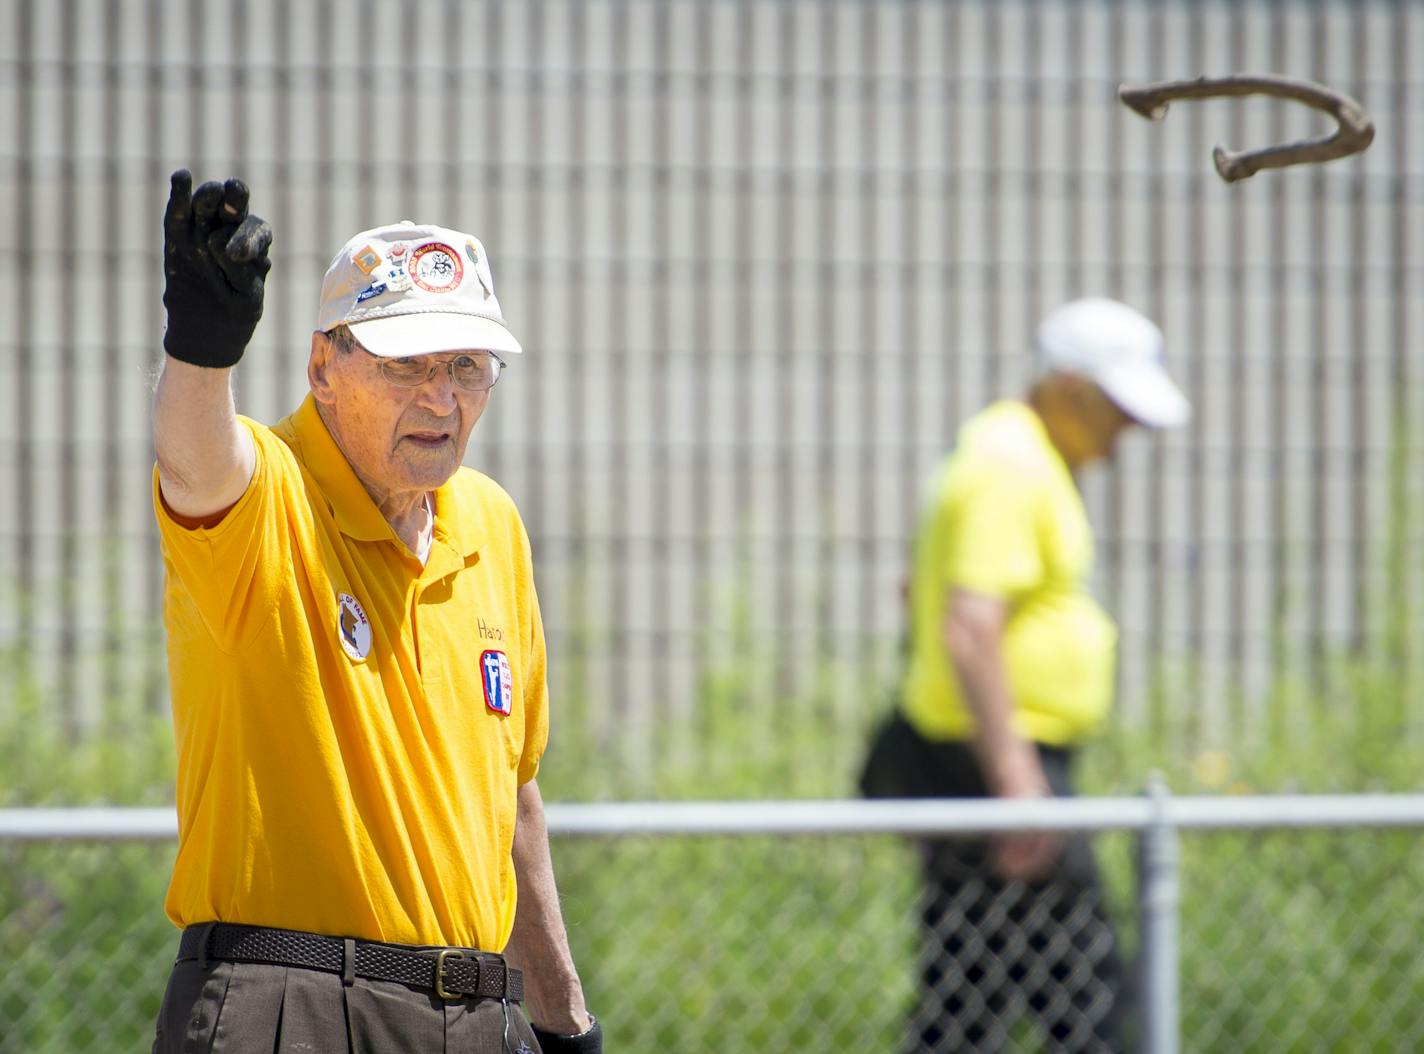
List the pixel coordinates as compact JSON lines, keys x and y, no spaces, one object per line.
{"x":356,"y":514}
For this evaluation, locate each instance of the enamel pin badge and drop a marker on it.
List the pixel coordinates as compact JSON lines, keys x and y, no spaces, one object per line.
{"x":353,"y":627}
{"x":397,"y":277}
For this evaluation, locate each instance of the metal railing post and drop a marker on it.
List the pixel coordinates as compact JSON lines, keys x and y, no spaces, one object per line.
{"x":1158,"y":881}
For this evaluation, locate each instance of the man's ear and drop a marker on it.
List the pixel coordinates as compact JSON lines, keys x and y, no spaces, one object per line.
{"x":320,"y":364}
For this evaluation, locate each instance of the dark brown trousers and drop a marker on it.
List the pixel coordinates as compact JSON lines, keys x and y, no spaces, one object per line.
{"x":244,"y":1008}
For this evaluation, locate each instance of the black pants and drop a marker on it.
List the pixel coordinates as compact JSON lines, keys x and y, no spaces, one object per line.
{"x":995,"y":950}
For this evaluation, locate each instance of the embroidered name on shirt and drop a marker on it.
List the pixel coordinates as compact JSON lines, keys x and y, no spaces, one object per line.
{"x":488,"y":632}
{"x":499,"y":685}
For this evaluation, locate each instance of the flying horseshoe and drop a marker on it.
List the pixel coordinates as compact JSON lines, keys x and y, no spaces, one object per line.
{"x":1355,"y":131}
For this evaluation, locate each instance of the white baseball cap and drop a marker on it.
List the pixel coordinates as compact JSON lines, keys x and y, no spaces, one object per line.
{"x":413,"y":289}
{"x":1121,"y":351}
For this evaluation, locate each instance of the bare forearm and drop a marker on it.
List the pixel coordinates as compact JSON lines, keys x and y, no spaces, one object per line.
{"x":539,"y":944}
{"x":1006,"y":758}
{"x":205,"y":457}
{"x":974,"y":640}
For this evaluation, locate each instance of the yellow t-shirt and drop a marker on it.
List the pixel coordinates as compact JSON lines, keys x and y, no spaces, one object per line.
{"x":352,"y":727}
{"x":1005,"y":519}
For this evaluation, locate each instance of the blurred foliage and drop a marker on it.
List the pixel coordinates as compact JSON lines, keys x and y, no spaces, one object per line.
{"x":85,"y":944}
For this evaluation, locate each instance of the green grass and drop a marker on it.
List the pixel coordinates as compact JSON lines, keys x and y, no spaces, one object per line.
{"x":1291,"y":941}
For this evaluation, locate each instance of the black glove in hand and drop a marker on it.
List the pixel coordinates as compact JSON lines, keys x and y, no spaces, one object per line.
{"x":590,"y":1042}
{"x":214,"y":263}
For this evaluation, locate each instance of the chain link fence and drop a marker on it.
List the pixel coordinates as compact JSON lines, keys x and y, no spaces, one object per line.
{"x":1291,"y":941}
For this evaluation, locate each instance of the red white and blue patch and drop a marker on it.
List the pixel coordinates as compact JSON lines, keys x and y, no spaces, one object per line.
{"x":499,"y":685}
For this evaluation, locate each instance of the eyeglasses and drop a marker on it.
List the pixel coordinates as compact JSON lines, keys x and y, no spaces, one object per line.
{"x":474,"y":373}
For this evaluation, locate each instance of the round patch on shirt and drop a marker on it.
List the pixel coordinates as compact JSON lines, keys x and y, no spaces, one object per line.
{"x":352,"y":626}
{"x":435,"y":267}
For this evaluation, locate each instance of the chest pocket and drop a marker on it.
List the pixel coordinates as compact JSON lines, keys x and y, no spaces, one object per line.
{"x":470,"y":664}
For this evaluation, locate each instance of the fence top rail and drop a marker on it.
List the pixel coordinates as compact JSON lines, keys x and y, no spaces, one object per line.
{"x":833,"y":817}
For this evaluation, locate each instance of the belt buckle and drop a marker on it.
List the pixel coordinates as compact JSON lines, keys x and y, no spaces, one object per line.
{"x":440,"y":990}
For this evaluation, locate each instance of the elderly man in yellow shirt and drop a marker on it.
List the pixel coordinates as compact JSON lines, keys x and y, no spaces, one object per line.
{"x":357,"y":665}
{"x":1011,"y":666}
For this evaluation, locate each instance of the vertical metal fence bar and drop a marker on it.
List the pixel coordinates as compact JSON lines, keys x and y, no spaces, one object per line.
{"x":1360,"y":464}
{"x":575,"y":617}
{"x":786,"y":357}
{"x":1323,"y":426}
{"x":1279,"y":520}
{"x":1238,"y":432}
{"x":1152,"y":548}
{"x":1191,"y":354}
{"x":536,"y":190}
{"x":370,"y":153}
{"x":1035,"y":91}
{"x":700,"y":342}
{"x":740,"y":381}
{"x":25,"y":349}
{"x":1158,"y":894}
{"x":995,"y":85}
{"x":454,"y":196}
{"x":1074,"y":177}
{"x":228,"y":73}
{"x":866,"y":276}
{"x":324,"y":79}
{"x":664,"y":640}
{"x":69,"y":391}
{"x":113,"y":351}
{"x":154,"y":670}
{"x":825,"y":378}
{"x":949,"y":360}
{"x":410,"y":173}
{"x":624,"y":296}
{"x":1116,"y":186}
{"x":1400,"y":564}
{"x":491,"y":168}
{"x":283,"y":195}
{"x":910,"y":270}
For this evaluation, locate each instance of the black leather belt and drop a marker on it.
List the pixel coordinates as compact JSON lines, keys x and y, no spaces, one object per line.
{"x":452,"y":973}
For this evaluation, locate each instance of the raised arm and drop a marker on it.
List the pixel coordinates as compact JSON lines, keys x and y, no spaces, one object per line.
{"x":215,"y":264}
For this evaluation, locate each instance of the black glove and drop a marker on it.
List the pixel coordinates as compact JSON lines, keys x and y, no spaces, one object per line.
{"x":214,"y":263}
{"x":590,"y":1042}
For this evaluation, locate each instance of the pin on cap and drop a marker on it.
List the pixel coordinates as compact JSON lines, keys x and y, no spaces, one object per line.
{"x":414,"y":289}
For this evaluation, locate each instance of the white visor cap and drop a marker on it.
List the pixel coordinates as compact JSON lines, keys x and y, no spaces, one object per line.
{"x":414,"y":289}
{"x":1121,"y":351}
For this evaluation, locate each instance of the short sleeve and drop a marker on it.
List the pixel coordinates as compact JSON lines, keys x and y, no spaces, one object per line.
{"x":230,"y":572}
{"x":992,"y":545}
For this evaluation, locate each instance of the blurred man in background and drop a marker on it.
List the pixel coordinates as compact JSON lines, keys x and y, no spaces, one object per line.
{"x":1011,"y":667}
{"x":357,"y":666}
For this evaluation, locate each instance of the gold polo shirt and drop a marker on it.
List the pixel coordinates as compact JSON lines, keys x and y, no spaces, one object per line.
{"x":352,"y":727}
{"x":1004,"y":519}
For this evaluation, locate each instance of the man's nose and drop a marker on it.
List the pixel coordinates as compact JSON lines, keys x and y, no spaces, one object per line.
{"x":438,"y":393}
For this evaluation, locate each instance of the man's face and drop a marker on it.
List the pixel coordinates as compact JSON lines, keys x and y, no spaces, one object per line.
{"x":1094,"y":423}
{"x":398,"y":440}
